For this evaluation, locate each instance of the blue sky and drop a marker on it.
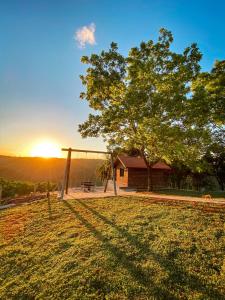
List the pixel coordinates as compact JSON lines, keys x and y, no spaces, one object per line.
{"x":40,"y":59}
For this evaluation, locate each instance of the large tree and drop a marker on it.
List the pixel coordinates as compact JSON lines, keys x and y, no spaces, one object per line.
{"x":142,"y":101}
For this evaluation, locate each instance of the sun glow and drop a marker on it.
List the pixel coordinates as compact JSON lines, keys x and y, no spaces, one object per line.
{"x":46,"y":149}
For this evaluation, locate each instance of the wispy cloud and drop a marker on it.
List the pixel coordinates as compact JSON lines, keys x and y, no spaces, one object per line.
{"x":85,"y":35}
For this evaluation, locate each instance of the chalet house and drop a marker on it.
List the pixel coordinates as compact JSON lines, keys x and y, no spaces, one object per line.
{"x":131,"y":172}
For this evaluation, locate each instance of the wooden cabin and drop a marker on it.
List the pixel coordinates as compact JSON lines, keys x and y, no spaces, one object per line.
{"x":131,"y":172}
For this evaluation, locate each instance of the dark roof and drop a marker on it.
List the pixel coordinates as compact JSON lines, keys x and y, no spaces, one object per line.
{"x":138,"y":163}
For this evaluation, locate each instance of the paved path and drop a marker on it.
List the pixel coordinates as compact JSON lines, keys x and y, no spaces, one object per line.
{"x":181,"y":198}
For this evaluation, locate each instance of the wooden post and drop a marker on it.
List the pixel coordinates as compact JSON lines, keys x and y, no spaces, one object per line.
{"x":68,"y":170}
{"x":66,"y":175}
{"x":114,"y":176}
{"x":0,"y":192}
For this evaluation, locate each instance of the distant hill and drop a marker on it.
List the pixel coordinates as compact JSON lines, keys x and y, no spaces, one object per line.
{"x":36,"y":169}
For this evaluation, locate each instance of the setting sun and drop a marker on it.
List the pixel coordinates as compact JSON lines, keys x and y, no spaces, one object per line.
{"x":46,"y":149}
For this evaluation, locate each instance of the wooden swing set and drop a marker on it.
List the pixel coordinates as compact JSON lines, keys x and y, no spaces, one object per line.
{"x":65,"y":185}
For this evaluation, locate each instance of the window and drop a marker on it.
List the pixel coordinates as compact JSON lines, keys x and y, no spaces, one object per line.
{"x":121,"y":172}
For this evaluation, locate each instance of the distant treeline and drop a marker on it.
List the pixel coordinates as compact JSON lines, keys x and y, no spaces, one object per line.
{"x":34,"y":169}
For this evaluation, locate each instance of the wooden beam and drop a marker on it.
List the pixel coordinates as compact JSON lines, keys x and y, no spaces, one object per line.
{"x":68,"y":170}
{"x":81,"y":150}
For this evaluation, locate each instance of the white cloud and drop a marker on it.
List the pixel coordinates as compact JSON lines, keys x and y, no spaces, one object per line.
{"x":85,"y":35}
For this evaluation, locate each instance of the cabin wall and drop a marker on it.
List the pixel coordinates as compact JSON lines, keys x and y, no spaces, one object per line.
{"x":138,"y":178}
{"x":121,"y":181}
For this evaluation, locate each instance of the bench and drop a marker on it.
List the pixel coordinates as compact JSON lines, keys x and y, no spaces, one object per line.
{"x":87,"y":186}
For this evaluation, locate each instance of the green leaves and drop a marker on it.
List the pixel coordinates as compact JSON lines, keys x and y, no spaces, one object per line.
{"x":209,"y":94}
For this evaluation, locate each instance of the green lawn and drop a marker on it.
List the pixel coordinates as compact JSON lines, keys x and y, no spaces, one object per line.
{"x":112,"y":248}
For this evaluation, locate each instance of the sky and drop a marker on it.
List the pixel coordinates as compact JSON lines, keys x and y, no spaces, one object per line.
{"x":41,"y":43}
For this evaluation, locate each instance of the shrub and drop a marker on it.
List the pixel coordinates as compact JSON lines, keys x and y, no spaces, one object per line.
{"x":10,"y":188}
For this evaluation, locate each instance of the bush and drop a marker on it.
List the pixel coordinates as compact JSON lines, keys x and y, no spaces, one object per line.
{"x":10,"y":188}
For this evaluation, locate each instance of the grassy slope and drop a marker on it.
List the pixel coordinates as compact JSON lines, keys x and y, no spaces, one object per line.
{"x":112,"y":248}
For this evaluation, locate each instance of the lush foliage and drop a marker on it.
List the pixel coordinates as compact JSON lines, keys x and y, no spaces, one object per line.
{"x":209,"y":96}
{"x":10,"y":188}
{"x":104,"y":171}
{"x":144,"y":100}
{"x":112,"y":248}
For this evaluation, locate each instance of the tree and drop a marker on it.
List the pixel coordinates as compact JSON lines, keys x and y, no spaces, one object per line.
{"x":104,"y":172}
{"x":141,"y":101}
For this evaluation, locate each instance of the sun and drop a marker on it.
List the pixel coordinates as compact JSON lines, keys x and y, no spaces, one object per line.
{"x":46,"y":149}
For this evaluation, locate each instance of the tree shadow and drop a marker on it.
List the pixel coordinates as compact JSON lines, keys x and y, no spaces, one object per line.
{"x":176,"y":273}
{"x":49,"y":209}
{"x":122,"y":258}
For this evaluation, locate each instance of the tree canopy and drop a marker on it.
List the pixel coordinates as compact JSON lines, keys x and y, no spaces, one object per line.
{"x":209,"y":95}
{"x":153,"y":100}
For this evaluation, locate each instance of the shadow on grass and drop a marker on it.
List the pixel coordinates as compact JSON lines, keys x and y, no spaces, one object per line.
{"x":122,"y":258}
{"x":49,"y":209}
{"x":176,"y":273}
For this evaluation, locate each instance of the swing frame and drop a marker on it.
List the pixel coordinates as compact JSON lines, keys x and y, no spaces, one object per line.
{"x":66,"y":178}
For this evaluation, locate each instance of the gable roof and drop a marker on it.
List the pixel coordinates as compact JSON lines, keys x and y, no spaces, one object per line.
{"x":138,"y":163}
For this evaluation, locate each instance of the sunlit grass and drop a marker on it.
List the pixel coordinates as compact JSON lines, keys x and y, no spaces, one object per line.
{"x":112,"y":248}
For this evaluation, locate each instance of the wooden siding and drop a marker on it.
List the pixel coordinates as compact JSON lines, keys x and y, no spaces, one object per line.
{"x":138,"y":178}
{"x":121,"y":181}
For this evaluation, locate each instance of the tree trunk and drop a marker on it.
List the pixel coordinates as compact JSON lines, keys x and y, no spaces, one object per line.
{"x":220,"y":181}
{"x":106,"y":185}
{"x":150,"y":186}
{"x":107,"y":180}
{"x":149,"y":172}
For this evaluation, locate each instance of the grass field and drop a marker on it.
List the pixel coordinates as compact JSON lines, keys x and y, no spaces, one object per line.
{"x":112,"y":248}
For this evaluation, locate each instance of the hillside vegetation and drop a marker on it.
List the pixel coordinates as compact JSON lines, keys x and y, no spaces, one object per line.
{"x":112,"y":248}
{"x":35,"y":169}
